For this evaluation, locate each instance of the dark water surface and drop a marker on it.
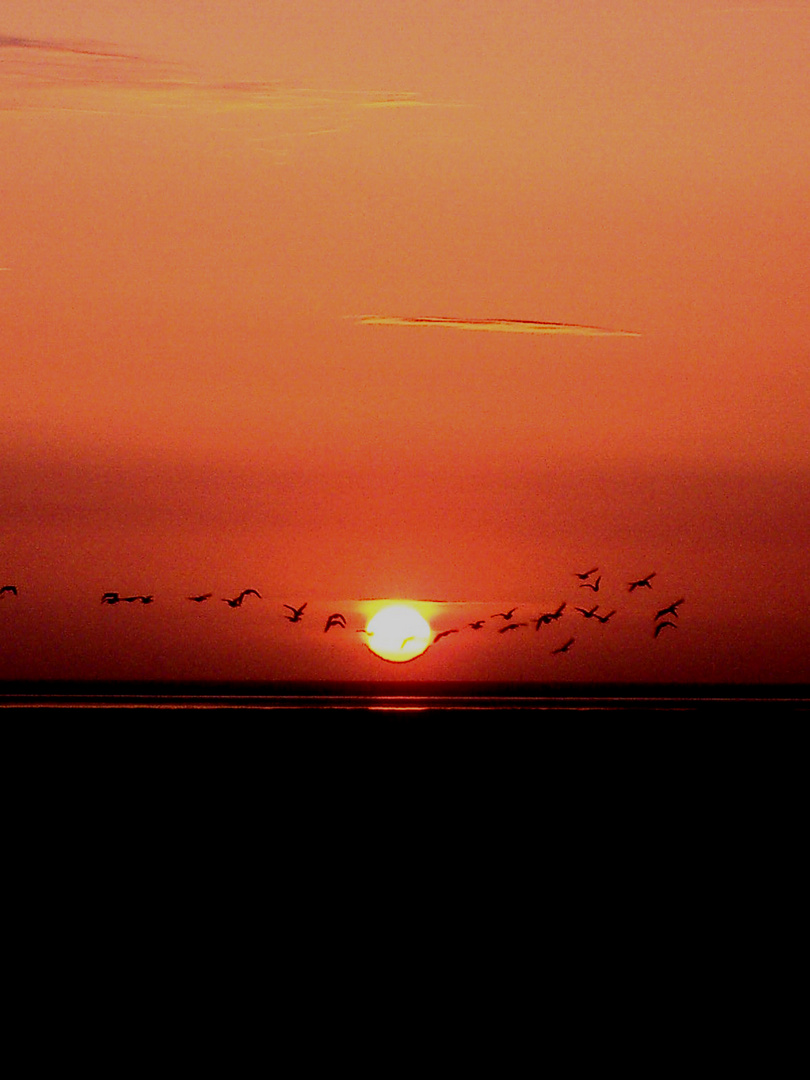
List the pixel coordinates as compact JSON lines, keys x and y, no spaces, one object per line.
{"x":393,"y":699}
{"x":247,"y":794}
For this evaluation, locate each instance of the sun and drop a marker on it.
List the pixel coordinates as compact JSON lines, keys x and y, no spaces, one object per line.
{"x":398,"y":633}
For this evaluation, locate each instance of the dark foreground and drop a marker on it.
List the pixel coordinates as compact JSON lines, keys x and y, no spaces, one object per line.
{"x":592,"y":795}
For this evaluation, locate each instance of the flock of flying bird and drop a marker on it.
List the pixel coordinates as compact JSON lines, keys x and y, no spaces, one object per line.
{"x":296,"y":615}
{"x":663,"y":618}
{"x":586,"y":581}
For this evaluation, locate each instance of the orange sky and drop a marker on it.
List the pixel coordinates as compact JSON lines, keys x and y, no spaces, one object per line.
{"x":246,"y":254}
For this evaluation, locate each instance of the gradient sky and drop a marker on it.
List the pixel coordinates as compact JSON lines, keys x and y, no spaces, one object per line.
{"x":247,"y":250}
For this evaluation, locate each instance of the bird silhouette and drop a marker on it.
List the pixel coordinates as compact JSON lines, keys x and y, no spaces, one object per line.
{"x":642,"y":583}
{"x":588,"y":613}
{"x":477,"y":624}
{"x":587,"y":574}
{"x":297,"y":612}
{"x":660,"y":626}
{"x":237,"y":600}
{"x":671,"y":610}
{"x":335,"y":619}
{"x":8,"y":588}
{"x":203,"y":596}
{"x":549,"y":617}
{"x":504,"y":614}
{"x":565,"y":647}
{"x":605,"y":618}
{"x":591,"y":585}
{"x":444,"y":633}
{"x":512,"y":626}
{"x":110,"y":598}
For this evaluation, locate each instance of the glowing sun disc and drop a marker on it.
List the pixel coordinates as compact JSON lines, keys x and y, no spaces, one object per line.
{"x":398,"y":633}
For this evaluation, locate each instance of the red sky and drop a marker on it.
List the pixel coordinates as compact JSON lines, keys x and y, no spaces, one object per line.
{"x":248,"y":251}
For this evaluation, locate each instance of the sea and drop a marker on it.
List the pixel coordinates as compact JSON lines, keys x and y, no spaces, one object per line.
{"x":403,"y":701}
{"x":369,"y":792}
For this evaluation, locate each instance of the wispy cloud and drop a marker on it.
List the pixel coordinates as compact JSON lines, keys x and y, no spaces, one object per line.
{"x":761,"y":9}
{"x":53,"y":75}
{"x":501,"y":326}
{"x":38,"y":74}
{"x":8,"y":41}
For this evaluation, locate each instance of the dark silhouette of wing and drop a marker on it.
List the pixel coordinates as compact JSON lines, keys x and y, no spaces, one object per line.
{"x":565,"y":647}
{"x":199,"y":599}
{"x":507,"y":615}
{"x":335,"y":619}
{"x":444,"y":633}
{"x":604,"y":618}
{"x":671,"y":610}
{"x":297,"y":612}
{"x":641,"y":583}
{"x":110,"y":598}
{"x":591,"y":585}
{"x":249,"y":592}
{"x":236,"y":602}
{"x":549,"y":617}
{"x":588,"y":612}
{"x":661,"y":626}
{"x":9,"y":588}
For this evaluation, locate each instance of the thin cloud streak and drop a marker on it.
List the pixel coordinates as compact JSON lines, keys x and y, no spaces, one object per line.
{"x":8,"y":41}
{"x":751,"y":9}
{"x":60,"y":76}
{"x":501,"y":326}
